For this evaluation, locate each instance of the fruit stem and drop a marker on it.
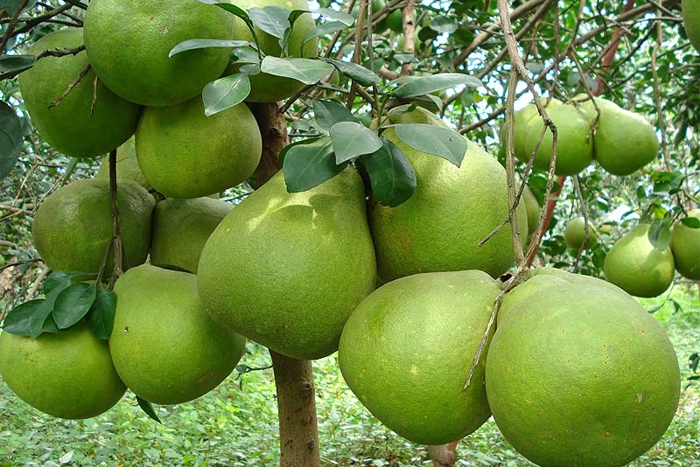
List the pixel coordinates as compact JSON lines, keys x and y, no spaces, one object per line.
{"x":116,"y":229}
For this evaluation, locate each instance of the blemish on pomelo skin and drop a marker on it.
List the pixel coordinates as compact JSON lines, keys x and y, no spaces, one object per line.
{"x":640,"y":397}
{"x":414,"y":370}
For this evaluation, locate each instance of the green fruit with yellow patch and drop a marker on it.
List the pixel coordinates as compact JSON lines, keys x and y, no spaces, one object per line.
{"x":165,"y":346}
{"x":393,"y":355}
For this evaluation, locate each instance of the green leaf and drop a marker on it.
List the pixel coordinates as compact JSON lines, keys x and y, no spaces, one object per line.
{"x":36,"y":315}
{"x":660,"y":234}
{"x":237,"y":11}
{"x":310,"y":164}
{"x":194,"y":44}
{"x":72,"y":304}
{"x":11,"y":138}
{"x":102,"y":311}
{"x":16,"y":63}
{"x":245,"y":55}
{"x":355,"y":72}
{"x":327,"y":113}
{"x":272,"y":19}
{"x":323,"y":29}
{"x":340,"y":16}
{"x":442,"y":23}
{"x":57,"y":279}
{"x":352,"y":139}
{"x":24,"y":319}
{"x":438,"y":141}
{"x":691,"y":222}
{"x":390,"y":174}
{"x":306,"y":70}
{"x":49,"y":325}
{"x":225,"y":93}
{"x":148,"y":409}
{"x":11,"y":6}
{"x":438,"y":82}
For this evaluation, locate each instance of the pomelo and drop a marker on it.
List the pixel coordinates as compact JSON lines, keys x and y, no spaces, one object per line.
{"x":533,"y":210}
{"x":393,"y":355}
{"x":128,"y":43}
{"x":287,"y":269}
{"x":185,"y":154}
{"x":127,"y":165}
{"x":575,"y":234}
{"x":636,"y":266}
{"x":691,"y":19}
{"x":395,"y":21}
{"x":578,"y":374}
{"x":685,"y":245}
{"x":71,"y":127}
{"x":72,"y":228}
{"x":181,"y":227}
{"x":67,"y":375}
{"x":165,"y":346}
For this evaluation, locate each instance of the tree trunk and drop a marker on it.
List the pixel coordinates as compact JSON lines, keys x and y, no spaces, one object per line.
{"x":444,"y":455}
{"x":294,"y":379}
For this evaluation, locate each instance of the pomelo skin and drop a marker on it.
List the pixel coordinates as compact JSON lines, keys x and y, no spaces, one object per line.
{"x":127,"y":165}
{"x":685,"y":245}
{"x":575,"y":234}
{"x":393,"y":355}
{"x":453,"y":208}
{"x":72,"y":228}
{"x":67,"y":375}
{"x":185,"y":154}
{"x":181,"y":227}
{"x":636,"y":266}
{"x":533,"y":210}
{"x":691,"y":18}
{"x":71,"y":127}
{"x":131,"y":57}
{"x":265,"y":87}
{"x":578,"y":374}
{"x":165,"y":346}
{"x":286,"y":270}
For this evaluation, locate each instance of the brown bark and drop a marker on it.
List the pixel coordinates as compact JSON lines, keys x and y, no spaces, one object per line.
{"x":296,"y":402}
{"x":444,"y":455}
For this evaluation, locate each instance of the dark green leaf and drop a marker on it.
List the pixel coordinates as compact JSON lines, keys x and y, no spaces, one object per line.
{"x":16,"y":63}
{"x":11,"y":138}
{"x":691,"y":222}
{"x":344,"y":18}
{"x":390,"y":174}
{"x":430,"y":84}
{"x":442,"y":142}
{"x":72,"y":304}
{"x":352,"y":139}
{"x":306,"y":70}
{"x":272,"y":19}
{"x":225,"y":93}
{"x":11,"y":6}
{"x":323,"y":29}
{"x":245,"y":55}
{"x":355,"y":72}
{"x":659,"y":234}
{"x":102,"y":311}
{"x":308,"y":165}
{"x":148,"y":409}
{"x":194,"y":44}
{"x":57,"y":279}
{"x":50,"y":325}
{"x":327,"y":113}
{"x":24,"y":319}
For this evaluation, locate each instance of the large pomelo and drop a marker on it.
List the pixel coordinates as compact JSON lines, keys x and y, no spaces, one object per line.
{"x":181,"y":227}
{"x":287,"y":269}
{"x":453,"y":208}
{"x":393,"y":354}
{"x":578,"y":374}
{"x":165,"y":346}
{"x":685,"y":245}
{"x":127,"y":165}
{"x":74,"y":127}
{"x":67,"y":375}
{"x":128,"y":43}
{"x":185,"y":154}
{"x":72,"y":228}
{"x":635,"y":265}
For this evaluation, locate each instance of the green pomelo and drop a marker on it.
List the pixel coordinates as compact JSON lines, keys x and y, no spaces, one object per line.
{"x":132,"y":57}
{"x":185,"y":154}
{"x":574,"y":141}
{"x":393,"y":355}
{"x":165,"y":346}
{"x":533,"y":210}
{"x":127,"y":165}
{"x":72,"y":228}
{"x":395,"y":21}
{"x":685,"y":245}
{"x":270,"y":88}
{"x":691,"y":19}
{"x":286,"y":270}
{"x":523,"y":120}
{"x":181,"y":227}
{"x":453,"y":208}
{"x":575,"y":234}
{"x":72,"y":127}
{"x":578,"y":374}
{"x":67,"y":375}
{"x":635,"y":265}
{"x":624,"y":141}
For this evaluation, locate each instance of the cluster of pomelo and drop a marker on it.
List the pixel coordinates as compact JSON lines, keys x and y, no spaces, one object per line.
{"x":621,"y":141}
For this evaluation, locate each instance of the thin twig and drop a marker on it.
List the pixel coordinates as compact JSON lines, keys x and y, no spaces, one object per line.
{"x":70,"y":87}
